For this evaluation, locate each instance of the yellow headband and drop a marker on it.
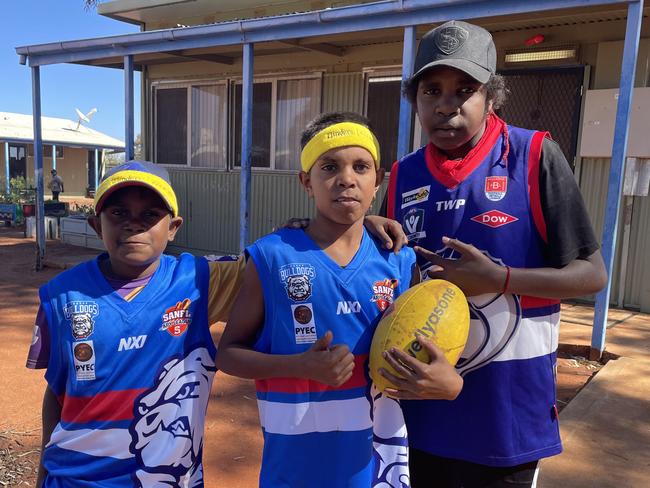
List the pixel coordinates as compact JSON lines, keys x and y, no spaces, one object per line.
{"x":339,"y":135}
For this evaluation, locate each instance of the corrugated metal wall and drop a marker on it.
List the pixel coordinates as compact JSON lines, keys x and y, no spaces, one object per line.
{"x":594,"y":176}
{"x":210,"y":207}
{"x":637,"y":286}
{"x":343,"y":91}
{"x":209,"y":203}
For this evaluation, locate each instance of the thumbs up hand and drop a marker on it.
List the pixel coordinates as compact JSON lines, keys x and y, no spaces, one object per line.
{"x":330,"y":365}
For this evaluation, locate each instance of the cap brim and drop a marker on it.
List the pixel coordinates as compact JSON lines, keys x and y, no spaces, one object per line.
{"x":477,"y":72}
{"x":109,"y":191}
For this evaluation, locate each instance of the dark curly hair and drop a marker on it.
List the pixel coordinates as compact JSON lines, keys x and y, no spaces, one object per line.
{"x":495,"y":90}
{"x":325,"y":120}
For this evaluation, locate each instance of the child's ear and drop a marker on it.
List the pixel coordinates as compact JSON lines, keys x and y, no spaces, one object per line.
{"x":174,"y":224}
{"x":489,"y":107}
{"x":381,"y":173}
{"x":305,"y":181}
{"x":95,"y":222}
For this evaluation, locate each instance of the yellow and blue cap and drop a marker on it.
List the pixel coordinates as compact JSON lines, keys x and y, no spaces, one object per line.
{"x":137,"y":173}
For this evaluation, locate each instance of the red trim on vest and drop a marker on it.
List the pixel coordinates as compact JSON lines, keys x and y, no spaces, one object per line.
{"x":110,"y":405}
{"x":536,"y":302}
{"x":300,"y":385}
{"x":534,"y":158}
{"x":392,"y":187}
{"x":451,"y":172}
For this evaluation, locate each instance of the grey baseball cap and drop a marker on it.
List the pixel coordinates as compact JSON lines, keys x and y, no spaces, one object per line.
{"x":459,"y":45}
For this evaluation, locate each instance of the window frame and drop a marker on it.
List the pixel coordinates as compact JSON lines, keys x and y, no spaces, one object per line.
{"x":379,"y":72}
{"x":390,"y":71}
{"x":187,"y":85}
{"x":30,"y":151}
{"x":273,"y":79}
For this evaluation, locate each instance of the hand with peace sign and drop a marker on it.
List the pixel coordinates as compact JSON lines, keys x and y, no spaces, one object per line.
{"x":474,"y":272}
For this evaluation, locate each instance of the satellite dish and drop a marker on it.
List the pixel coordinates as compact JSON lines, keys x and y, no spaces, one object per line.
{"x":82,"y":117}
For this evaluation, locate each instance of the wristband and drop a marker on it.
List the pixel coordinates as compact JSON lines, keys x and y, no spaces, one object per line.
{"x":507,"y":280}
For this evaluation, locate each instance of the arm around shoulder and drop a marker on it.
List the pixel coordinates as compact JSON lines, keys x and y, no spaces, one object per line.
{"x":226,"y":277}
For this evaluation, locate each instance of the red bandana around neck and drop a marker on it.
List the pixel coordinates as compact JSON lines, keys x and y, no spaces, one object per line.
{"x":450,"y":172}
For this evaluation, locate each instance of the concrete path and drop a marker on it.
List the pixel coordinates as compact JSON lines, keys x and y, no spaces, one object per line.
{"x":606,"y":427}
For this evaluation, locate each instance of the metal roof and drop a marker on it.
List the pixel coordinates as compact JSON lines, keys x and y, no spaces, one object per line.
{"x":301,"y":28}
{"x":20,"y":128}
{"x":207,"y":11}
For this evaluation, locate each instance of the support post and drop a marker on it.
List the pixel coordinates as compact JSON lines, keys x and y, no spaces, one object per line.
{"x":405,"y":111}
{"x":38,"y":167}
{"x":96,"y":169}
{"x":128,"y":108}
{"x":617,"y":170}
{"x":246,"y":143}
{"x":53,"y":156}
{"x":8,"y":182}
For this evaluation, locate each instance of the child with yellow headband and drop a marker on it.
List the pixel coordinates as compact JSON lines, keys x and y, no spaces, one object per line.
{"x":304,"y":319}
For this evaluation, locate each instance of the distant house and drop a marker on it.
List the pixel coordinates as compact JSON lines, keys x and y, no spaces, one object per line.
{"x":67,"y":146}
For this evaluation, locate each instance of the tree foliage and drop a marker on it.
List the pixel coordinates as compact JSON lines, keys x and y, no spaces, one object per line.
{"x":91,"y":4}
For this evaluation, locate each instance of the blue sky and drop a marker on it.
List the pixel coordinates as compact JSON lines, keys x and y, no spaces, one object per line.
{"x":63,"y":86}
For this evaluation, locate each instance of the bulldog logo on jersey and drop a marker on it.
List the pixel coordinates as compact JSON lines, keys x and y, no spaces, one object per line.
{"x":81,"y":315}
{"x":178,"y":318}
{"x":383,"y":292}
{"x":166,"y":432}
{"x":297,"y":279}
{"x":496,"y":187}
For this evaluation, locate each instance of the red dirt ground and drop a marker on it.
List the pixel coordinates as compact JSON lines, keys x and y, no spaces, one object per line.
{"x":233,"y":438}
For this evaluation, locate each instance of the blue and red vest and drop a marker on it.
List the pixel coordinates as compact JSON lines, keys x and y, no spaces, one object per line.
{"x":133,"y":378}
{"x":505,"y":414}
{"x":316,"y":435}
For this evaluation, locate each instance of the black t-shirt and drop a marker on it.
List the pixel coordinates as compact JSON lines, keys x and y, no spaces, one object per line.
{"x":568,"y":227}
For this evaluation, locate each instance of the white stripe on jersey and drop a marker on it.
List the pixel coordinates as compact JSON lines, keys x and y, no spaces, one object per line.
{"x":535,"y":337}
{"x":94,"y":442}
{"x":302,"y":418}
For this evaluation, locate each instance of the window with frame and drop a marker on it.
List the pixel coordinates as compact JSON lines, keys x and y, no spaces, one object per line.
{"x":281,"y":110}
{"x":383,"y":94}
{"x":47,"y":151}
{"x":190,"y":124}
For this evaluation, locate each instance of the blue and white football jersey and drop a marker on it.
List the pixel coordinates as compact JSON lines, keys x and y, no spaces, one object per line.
{"x":133,"y":377}
{"x":505,"y":414}
{"x":316,"y":435}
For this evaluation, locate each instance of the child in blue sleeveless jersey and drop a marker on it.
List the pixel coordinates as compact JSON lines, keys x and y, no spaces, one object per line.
{"x":500,"y":210}
{"x":126,"y":342}
{"x":303,"y":323}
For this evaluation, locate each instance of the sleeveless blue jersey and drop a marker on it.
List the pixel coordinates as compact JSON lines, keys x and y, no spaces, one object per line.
{"x":316,"y":435}
{"x":505,"y":414}
{"x":133,"y":377}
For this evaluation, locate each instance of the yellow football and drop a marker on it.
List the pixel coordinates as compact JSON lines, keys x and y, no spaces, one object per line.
{"x":435,"y":309}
